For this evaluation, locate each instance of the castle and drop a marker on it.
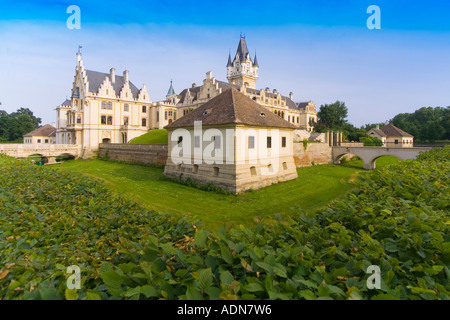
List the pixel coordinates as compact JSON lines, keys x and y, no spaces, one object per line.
{"x":108,"y":108}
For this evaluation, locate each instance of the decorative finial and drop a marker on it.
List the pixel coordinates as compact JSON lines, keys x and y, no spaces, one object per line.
{"x":79,"y":49}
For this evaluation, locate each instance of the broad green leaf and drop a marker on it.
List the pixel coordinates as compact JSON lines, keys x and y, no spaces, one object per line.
{"x":71,"y":294}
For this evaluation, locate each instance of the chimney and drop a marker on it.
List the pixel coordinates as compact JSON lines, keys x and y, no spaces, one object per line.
{"x":378,"y":126}
{"x":291,"y":96}
{"x":194,"y":85}
{"x":125,"y":77}
{"x":209,"y":75}
{"x":113,"y":75}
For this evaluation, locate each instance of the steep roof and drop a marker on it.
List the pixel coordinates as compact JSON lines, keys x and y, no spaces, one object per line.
{"x":392,"y":131}
{"x":67,"y":103}
{"x":96,"y":78}
{"x":171,"y":90}
{"x":231,"y":107}
{"x":242,"y":50}
{"x":45,"y":131}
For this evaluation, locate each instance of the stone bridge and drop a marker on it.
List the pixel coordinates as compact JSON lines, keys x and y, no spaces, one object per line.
{"x":370,"y":154}
{"x":47,"y":151}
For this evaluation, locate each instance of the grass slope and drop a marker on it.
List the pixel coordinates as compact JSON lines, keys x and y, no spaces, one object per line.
{"x":315,"y":187}
{"x":157,"y":136}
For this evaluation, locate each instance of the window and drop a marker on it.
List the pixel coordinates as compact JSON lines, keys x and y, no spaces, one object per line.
{"x":174,"y":116}
{"x":109,"y":106}
{"x":298,"y":119}
{"x":103,"y":119}
{"x":251,"y":142}
{"x":216,"y":171}
{"x":216,"y":142}
{"x":165,"y":115}
{"x":46,"y":140}
{"x":38,"y":140}
{"x":180,"y":141}
{"x":195,"y":168}
{"x":396,"y":141}
{"x":252,"y":171}
{"x":78,"y":119}
{"x":284,"y":165}
{"x":126,"y":107}
{"x":144,"y":122}
{"x":76,"y":92}
{"x":125,"y":121}
{"x":170,"y":113}
{"x":196,"y":141}
{"x":270,"y":167}
{"x":269,"y":142}
{"x":109,"y":120}
{"x":144,"y":109}
{"x":103,"y":105}
{"x":283,"y":142}
{"x":289,"y":118}
{"x":157,"y":116}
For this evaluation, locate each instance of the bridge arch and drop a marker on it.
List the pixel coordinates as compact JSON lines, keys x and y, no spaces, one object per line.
{"x":369,"y":155}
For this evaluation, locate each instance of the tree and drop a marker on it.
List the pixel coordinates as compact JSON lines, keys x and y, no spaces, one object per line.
{"x":13,"y":126}
{"x":425,"y":124}
{"x":332,"y":116}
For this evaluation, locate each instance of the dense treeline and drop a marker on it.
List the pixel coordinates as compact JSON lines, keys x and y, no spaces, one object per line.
{"x":14,"y":125}
{"x":425,"y":124}
{"x":396,"y":219}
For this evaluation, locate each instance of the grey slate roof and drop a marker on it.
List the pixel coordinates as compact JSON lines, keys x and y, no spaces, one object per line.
{"x":67,"y":103}
{"x":96,"y":78}
{"x":242,"y":50}
{"x":231,"y":107}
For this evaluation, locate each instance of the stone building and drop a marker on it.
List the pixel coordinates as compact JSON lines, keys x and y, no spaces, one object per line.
{"x":43,"y":135}
{"x":242,"y":74}
{"x":232,"y":142}
{"x":104,"y":108}
{"x":392,"y":136}
{"x":109,"y":108}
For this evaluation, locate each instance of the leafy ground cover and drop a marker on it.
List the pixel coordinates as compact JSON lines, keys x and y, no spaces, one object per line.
{"x":396,"y":219}
{"x":315,"y":188}
{"x":156,"y":136}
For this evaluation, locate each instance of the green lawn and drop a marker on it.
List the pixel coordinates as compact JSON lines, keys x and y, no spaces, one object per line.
{"x":315,"y":187}
{"x":156,"y":136}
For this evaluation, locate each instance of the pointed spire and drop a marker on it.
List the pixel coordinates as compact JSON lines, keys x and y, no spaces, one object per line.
{"x":229,"y":64}
{"x":255,"y":61}
{"x":171,"y":91}
{"x":242,"y":49}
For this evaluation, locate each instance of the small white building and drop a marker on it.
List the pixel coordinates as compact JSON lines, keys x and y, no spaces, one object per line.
{"x":42,"y":135}
{"x":392,"y":136}
{"x":232,"y":142}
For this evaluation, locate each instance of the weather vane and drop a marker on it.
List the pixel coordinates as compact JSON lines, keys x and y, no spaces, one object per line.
{"x":79,"y":49}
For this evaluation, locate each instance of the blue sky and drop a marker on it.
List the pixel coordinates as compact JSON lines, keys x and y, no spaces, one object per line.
{"x":320,"y":50}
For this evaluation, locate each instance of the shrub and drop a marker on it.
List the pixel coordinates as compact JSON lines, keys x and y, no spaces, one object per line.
{"x":396,"y":219}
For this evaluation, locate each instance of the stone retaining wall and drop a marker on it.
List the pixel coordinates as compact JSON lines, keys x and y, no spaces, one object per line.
{"x":144,"y":153}
{"x":315,"y":153}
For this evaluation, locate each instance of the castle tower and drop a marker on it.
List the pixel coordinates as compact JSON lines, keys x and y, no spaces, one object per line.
{"x":242,"y":71}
